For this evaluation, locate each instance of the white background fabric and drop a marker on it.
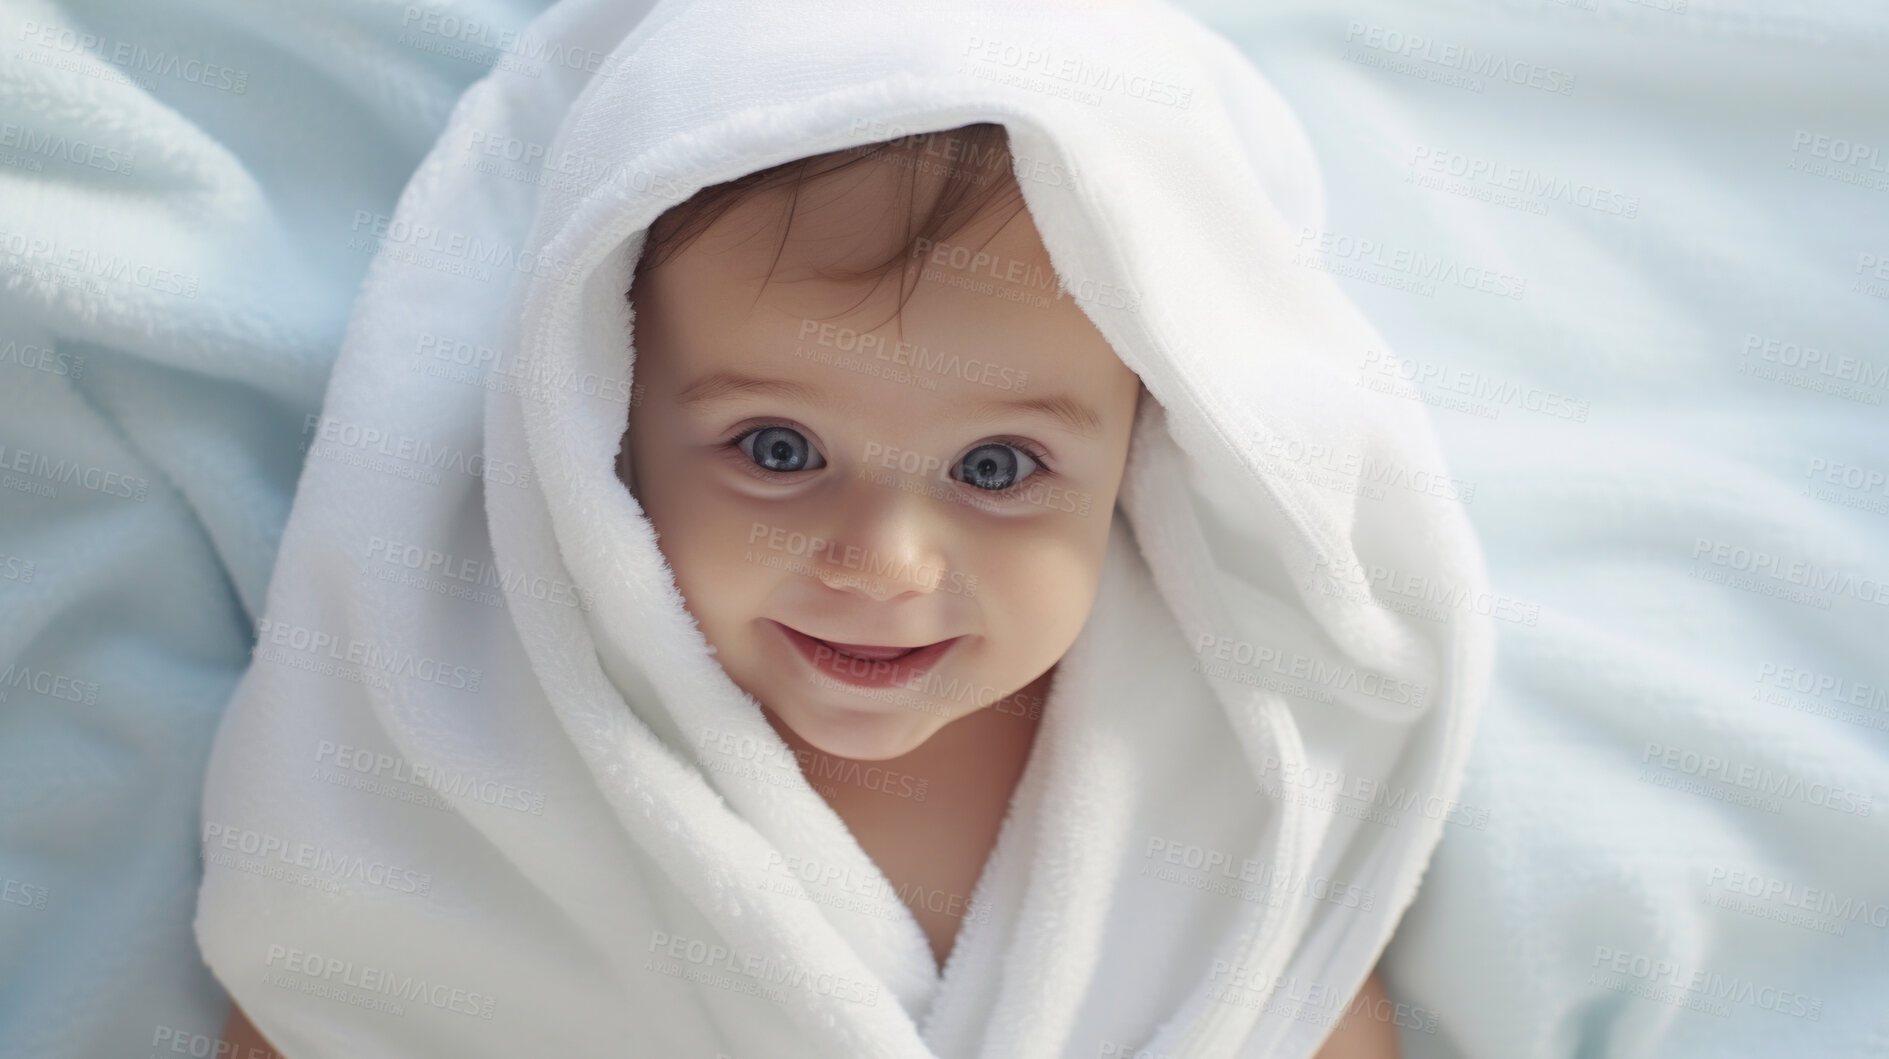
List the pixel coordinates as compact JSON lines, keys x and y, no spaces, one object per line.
{"x":1732,"y":131}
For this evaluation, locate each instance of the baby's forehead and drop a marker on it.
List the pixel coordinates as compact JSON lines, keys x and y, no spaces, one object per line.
{"x":974,"y":313}
{"x":936,"y":358}
{"x":945,"y":373}
{"x":946,"y":330}
{"x":860,"y":221}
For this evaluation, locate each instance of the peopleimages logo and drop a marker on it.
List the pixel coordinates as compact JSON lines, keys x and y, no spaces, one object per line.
{"x":1418,"y":595}
{"x":15,"y":568}
{"x":1307,"y":1000}
{"x":1759,"y":778}
{"x":39,"y":474}
{"x":1864,"y":488}
{"x":1791,"y":895}
{"x":1277,"y":776}
{"x":815,"y":548}
{"x":1757,"y":563}
{"x":367,"y":445}
{"x":1811,"y":682}
{"x":466,"y":252}
{"x":175,"y":1041}
{"x":1399,"y":266}
{"x":134,"y":58}
{"x":1314,"y":672}
{"x":1533,"y":190}
{"x":532,"y":162}
{"x":24,"y":894}
{"x":519,"y":52}
{"x":331,"y":970}
{"x":1841,"y":366}
{"x":713,"y":963}
{"x":387,"y":773}
{"x":42,"y":358}
{"x":917,"y":357}
{"x":1084,"y":78}
{"x":478,"y":365}
{"x":1705,"y":985}
{"x":368,"y":656}
{"x":1475,"y":62}
{"x":426,"y":562}
{"x":1806,"y":367}
{"x":86,"y":269}
{"x":17,"y":677}
{"x":1462,"y":390}
{"x":31,"y":141}
{"x":1247,"y":878}
{"x":330,"y":863}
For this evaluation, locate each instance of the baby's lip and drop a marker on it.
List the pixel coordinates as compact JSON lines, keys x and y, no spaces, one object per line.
{"x":871,"y":652}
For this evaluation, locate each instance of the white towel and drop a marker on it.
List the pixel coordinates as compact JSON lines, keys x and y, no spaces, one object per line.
{"x":540,"y":819}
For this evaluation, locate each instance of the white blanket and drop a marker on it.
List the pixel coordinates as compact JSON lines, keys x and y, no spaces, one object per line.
{"x":177,"y":183}
{"x":1678,"y":439}
{"x":540,"y":819}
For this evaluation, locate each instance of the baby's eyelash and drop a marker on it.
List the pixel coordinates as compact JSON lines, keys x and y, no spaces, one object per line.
{"x":741,"y":432}
{"x":1036,"y":453}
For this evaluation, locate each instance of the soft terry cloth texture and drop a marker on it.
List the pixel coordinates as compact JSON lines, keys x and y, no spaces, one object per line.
{"x":177,"y":183}
{"x":1686,"y":751}
{"x":564,"y":813}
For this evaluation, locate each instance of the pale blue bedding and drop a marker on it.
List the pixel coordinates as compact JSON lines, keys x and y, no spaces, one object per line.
{"x":1636,"y":255}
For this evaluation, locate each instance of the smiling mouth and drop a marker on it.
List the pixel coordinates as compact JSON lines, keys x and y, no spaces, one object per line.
{"x":867,"y":664}
{"x":867,"y":652}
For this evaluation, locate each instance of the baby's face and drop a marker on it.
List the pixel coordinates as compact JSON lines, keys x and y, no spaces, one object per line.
{"x":817,"y":478}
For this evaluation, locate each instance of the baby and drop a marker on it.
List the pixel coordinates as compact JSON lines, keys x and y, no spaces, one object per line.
{"x":881,"y":450}
{"x":868,"y":352}
{"x":951,"y":454}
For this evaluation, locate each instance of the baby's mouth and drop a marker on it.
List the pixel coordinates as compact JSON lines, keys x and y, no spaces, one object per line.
{"x":866,"y":665}
{"x":867,"y":652}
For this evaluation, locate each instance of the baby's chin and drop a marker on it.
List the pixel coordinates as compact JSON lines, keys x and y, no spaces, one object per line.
{"x":868,"y":730}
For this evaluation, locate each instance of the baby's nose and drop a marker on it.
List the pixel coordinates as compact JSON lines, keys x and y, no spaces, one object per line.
{"x":889,"y":540}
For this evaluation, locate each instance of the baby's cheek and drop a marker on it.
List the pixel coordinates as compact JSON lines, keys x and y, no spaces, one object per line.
{"x":1040,"y":592}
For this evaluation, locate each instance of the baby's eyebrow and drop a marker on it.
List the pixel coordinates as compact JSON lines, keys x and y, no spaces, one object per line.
{"x":726,"y":385}
{"x":1068,"y":412}
{"x":1073,"y":415}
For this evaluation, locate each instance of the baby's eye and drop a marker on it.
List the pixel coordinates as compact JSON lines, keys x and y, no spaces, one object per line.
{"x":994,"y":466}
{"x":779,"y":449}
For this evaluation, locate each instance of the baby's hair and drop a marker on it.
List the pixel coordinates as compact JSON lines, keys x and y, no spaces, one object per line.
{"x":976,"y":177}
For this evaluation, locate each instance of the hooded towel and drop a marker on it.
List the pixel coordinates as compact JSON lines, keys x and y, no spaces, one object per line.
{"x":485,"y":791}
